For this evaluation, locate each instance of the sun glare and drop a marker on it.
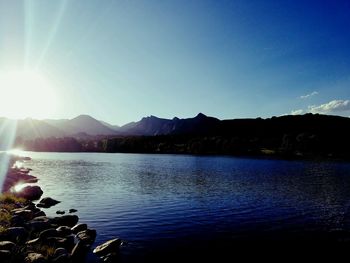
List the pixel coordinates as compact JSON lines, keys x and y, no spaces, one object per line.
{"x":26,"y":94}
{"x":18,"y":187}
{"x":17,"y":152}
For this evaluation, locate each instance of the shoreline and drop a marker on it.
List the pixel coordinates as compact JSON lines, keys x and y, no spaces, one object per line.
{"x":281,"y":157}
{"x":27,"y":234}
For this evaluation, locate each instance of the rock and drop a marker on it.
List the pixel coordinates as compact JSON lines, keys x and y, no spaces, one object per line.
{"x":61,"y":259}
{"x":39,"y":213}
{"x":51,"y":232}
{"x":69,"y":243}
{"x":64,"y":231}
{"x":87,"y":236}
{"x":110,"y":258}
{"x":7,"y":245}
{"x":79,"y":252}
{"x":17,"y":221}
{"x":42,"y":219}
{"x":30,"y":192}
{"x":38,"y":226}
{"x":16,"y":234}
{"x":26,"y":214}
{"x":66,"y":220}
{"x":56,"y":241}
{"x":65,"y":242}
{"x":35,"y":258}
{"x":111,"y":246}
{"x":47,"y":202}
{"x":5,"y":255}
{"x":73,"y":210}
{"x":60,"y":212}
{"x":33,"y":242}
{"x":60,"y":251}
{"x":78,"y":228}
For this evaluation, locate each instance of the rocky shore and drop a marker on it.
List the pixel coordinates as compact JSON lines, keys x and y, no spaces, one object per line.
{"x":28,"y":235}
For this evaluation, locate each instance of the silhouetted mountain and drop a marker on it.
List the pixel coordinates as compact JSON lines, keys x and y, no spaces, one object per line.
{"x":82,"y":124}
{"x":152,"y":126}
{"x":113,"y":127}
{"x":30,"y":128}
{"x":148,"y":126}
{"x":303,"y":136}
{"x":25,"y":129}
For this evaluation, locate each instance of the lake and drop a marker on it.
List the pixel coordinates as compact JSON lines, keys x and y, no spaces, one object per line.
{"x":160,"y":204}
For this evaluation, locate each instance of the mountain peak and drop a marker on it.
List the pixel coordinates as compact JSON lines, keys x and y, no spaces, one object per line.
{"x":201,"y":115}
{"x":83,"y":116}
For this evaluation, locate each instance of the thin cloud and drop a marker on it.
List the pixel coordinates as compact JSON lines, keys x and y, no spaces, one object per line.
{"x":334,"y":106}
{"x":309,"y":95}
{"x":297,"y":112}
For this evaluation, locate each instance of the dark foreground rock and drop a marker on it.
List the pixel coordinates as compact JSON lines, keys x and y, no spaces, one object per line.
{"x":30,"y":192}
{"x":78,"y":228}
{"x":66,"y":220}
{"x":87,"y":236}
{"x":47,"y":202}
{"x":111,"y":246}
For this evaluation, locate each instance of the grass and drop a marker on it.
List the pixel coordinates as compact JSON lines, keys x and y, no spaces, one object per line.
{"x":8,"y":202}
{"x":5,"y":218}
{"x":8,"y":198}
{"x":45,"y":250}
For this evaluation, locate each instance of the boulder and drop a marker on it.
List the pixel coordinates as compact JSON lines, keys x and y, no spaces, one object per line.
{"x":78,"y":228}
{"x":39,"y":213}
{"x":60,"y":251}
{"x":33,"y":242}
{"x":66,"y":220}
{"x":60,"y":212}
{"x":64,"y":231}
{"x":79,"y":252}
{"x":30,"y":192}
{"x":7,"y":245}
{"x":51,"y":232}
{"x":17,"y":221}
{"x":16,"y":234}
{"x":47,"y":202}
{"x":111,"y":246}
{"x":87,"y":236}
{"x":5,"y":255}
{"x":24,"y":213}
{"x":61,"y":259}
{"x":65,"y":242}
{"x":38,"y":226}
{"x":72,"y":210}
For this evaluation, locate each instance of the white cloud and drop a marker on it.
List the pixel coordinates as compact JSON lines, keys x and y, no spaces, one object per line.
{"x":309,"y":95}
{"x":297,"y":112}
{"x":334,"y":106}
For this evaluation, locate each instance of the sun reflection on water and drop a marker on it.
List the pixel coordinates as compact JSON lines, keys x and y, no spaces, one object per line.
{"x":16,"y":152}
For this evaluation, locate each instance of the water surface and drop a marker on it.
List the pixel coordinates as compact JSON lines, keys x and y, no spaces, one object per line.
{"x":161,"y":203}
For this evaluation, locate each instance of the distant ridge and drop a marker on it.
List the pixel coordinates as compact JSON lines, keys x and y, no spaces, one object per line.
{"x":85,"y":126}
{"x":301,"y":136}
{"x":82,"y":124}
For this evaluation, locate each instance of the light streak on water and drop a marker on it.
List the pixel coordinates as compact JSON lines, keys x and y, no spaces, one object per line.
{"x":7,"y":139}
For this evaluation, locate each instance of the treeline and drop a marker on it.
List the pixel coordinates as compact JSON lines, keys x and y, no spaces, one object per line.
{"x":288,"y":136}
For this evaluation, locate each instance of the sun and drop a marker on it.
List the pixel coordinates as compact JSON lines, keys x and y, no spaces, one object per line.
{"x":26,"y":94}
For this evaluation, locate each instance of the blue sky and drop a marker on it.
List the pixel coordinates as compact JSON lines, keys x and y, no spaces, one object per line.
{"x":122,"y":60}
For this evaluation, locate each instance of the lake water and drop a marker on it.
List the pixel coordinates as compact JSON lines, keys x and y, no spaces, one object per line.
{"x":165,"y":203}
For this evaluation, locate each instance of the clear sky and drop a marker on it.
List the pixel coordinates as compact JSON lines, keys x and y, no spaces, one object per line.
{"x":121,"y":60}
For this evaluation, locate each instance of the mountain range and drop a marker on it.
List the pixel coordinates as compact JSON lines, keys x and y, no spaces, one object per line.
{"x":85,"y":126}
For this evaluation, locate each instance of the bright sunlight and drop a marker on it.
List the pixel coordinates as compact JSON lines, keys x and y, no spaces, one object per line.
{"x":26,"y":94}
